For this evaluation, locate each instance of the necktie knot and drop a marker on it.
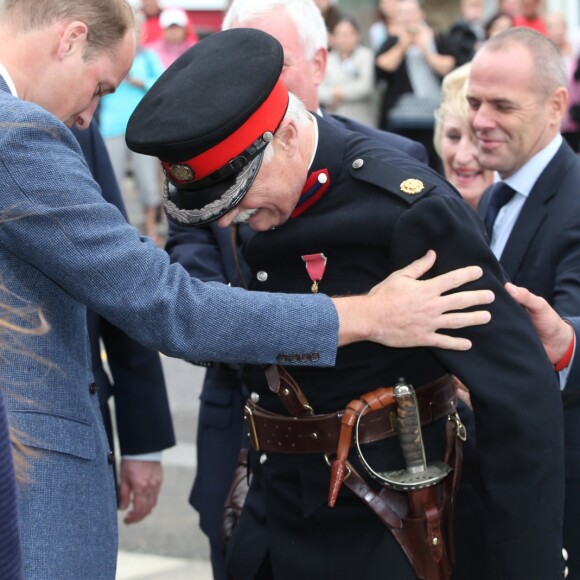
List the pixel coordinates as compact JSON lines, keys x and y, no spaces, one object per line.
{"x":501,"y":194}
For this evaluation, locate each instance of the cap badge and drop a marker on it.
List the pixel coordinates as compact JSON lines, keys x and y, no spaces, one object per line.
{"x":182,"y":172}
{"x":412,"y":186}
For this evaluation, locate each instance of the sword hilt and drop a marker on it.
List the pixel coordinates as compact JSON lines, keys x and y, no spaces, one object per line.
{"x":409,"y":427}
{"x":417,"y":474}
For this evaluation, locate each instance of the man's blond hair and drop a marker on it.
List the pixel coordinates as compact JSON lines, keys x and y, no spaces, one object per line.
{"x":107,"y":20}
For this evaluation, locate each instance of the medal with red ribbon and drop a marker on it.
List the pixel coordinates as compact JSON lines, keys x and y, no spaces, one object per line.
{"x":315,"y":266}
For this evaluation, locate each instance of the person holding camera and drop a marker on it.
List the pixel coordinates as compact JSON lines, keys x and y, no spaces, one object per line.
{"x":410,"y":66}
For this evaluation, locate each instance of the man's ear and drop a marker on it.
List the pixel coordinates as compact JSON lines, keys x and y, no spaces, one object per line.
{"x":73,"y":39}
{"x":287,"y":137}
{"x":560,"y":100}
{"x":319,"y":65}
{"x":558,"y":104}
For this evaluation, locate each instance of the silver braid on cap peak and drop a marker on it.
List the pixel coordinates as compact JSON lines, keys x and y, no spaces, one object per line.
{"x":217,"y":208}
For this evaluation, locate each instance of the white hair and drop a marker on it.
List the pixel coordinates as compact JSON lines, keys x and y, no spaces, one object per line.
{"x":304,"y":13}
{"x":296,"y":112}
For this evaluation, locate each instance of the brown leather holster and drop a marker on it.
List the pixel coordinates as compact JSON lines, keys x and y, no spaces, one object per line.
{"x":236,"y":496}
{"x":420,"y":520}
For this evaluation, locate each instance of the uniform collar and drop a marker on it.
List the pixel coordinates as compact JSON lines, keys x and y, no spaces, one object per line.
{"x":324,"y":165}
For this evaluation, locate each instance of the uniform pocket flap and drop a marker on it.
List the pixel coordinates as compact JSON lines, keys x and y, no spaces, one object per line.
{"x":216,"y":395}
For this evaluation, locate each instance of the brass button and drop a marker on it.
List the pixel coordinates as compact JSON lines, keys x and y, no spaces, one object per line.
{"x":282,"y":358}
{"x":93,"y":388}
{"x":293,"y":358}
{"x":304,"y":357}
{"x":314,"y":357}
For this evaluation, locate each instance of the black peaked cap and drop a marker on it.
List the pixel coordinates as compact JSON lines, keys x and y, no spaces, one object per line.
{"x":206,"y":94}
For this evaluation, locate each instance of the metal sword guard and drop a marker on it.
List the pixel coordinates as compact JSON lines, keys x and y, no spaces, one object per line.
{"x":417,"y":473}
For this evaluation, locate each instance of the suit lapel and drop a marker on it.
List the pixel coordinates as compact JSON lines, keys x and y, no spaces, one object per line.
{"x":534,"y":212}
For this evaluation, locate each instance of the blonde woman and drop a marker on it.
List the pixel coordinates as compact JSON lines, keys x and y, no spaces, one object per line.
{"x":455,"y":141}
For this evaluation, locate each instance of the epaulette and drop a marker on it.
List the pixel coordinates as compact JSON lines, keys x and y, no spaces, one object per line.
{"x":390,"y":178}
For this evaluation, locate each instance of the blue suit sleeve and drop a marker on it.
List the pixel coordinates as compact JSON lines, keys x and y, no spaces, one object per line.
{"x":86,"y":247}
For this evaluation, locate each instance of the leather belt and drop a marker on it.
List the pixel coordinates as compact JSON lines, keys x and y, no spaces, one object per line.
{"x":319,"y":433}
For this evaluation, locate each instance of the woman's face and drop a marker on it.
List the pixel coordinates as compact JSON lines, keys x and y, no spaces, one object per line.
{"x":460,"y":160}
{"x":345,"y":37}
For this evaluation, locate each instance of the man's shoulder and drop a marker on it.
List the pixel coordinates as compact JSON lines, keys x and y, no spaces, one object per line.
{"x":19,"y":111}
{"x":398,"y":142}
{"x":398,"y":175}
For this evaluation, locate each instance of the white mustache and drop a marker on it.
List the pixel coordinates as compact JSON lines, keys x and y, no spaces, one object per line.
{"x":244,"y":216}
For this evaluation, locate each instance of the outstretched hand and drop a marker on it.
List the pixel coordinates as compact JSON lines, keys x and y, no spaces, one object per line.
{"x":554,"y":332}
{"x":403,"y":311}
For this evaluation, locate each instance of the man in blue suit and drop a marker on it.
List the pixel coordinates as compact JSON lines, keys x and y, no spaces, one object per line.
{"x":516,"y":115}
{"x":136,"y":382}
{"x":63,"y":248}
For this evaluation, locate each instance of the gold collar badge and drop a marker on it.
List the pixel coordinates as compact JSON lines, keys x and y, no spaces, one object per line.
{"x":412,"y":186}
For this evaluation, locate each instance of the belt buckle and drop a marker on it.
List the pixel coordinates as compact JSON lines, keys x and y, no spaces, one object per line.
{"x":249,"y":417}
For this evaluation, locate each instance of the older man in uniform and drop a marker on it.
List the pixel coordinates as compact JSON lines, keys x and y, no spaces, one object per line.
{"x":333,"y":211}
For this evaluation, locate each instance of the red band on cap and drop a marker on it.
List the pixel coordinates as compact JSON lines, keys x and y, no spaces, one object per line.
{"x":266,"y":118}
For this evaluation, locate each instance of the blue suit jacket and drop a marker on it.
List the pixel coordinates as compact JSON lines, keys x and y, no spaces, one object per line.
{"x":10,"y":556}
{"x":143,"y":418}
{"x":63,"y":248}
{"x":543,"y":254}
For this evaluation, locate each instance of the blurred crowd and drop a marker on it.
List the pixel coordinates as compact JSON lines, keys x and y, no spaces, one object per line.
{"x":409,"y":58}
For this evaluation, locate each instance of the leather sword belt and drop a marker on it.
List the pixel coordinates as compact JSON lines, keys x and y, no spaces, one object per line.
{"x":320,"y":433}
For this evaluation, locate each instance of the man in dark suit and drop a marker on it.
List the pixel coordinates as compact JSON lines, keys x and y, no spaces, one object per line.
{"x":516,"y":114}
{"x":136,"y":383}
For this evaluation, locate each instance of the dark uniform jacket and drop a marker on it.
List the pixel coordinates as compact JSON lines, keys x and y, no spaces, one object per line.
{"x":206,"y":253}
{"x":367,"y":228}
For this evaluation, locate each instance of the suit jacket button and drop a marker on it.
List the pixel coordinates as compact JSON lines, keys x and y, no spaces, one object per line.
{"x":282,"y":358}
{"x":262,"y":276}
{"x":314,"y":357}
{"x":110,"y":458}
{"x":93,"y":388}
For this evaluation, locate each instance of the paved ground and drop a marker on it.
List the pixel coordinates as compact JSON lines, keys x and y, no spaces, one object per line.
{"x":168,"y":545}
